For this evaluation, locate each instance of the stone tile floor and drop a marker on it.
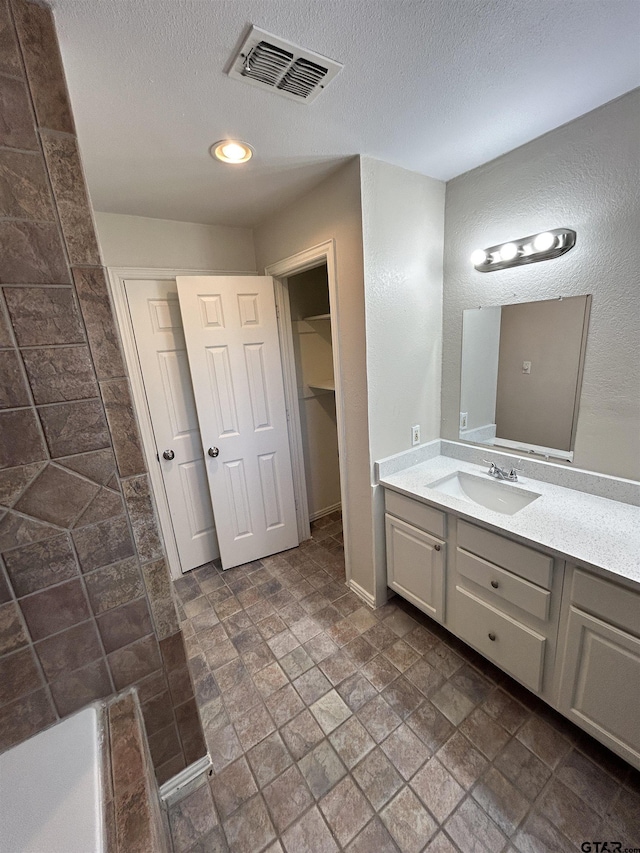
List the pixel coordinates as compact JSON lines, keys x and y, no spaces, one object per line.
{"x":335,"y":727}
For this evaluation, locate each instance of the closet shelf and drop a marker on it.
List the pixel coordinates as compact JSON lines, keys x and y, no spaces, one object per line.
{"x":328,"y":385}
{"x":319,"y":317}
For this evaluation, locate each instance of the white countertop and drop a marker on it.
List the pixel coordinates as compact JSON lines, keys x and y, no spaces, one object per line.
{"x":591,"y":531}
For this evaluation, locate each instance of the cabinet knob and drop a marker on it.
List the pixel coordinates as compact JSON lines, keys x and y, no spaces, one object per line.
{"x":168,"y":454}
{"x":436,"y":547}
{"x":495,"y":584}
{"x":213,"y":451}
{"x":492,"y":636}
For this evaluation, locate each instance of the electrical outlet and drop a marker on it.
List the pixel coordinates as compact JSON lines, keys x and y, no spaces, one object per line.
{"x":464,"y":418}
{"x":526,"y":367}
{"x":415,"y":434}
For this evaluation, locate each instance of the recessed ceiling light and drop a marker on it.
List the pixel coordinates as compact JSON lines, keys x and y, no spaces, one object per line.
{"x":231,"y":151}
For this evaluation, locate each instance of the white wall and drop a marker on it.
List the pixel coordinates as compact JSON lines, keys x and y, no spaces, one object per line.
{"x":137,"y":241}
{"x":332,"y":211}
{"x":479,"y":379}
{"x":403,"y":224}
{"x":583,"y":176}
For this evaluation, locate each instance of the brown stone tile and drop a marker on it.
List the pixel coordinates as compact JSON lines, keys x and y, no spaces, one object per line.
{"x":10,"y":62}
{"x":400,"y":623}
{"x":35,"y":567}
{"x":356,"y":691}
{"x":255,"y":725}
{"x":44,"y":315}
{"x":287,"y":797}
{"x":270,"y":679}
{"x":192,"y":818}
{"x":157,"y":713}
{"x":320,"y":647}
{"x":484,"y":733}
{"x":69,"y":650}
{"x":24,"y":190}
{"x":504,"y":804}
{"x":190,"y":731}
{"x":588,"y":781}
{"x":106,"y":504}
{"x":523,"y":768}
{"x":158,"y":587}
{"x":309,"y":835}
{"x":283,"y":643}
{"x":124,"y":624}
{"x":124,"y":431}
{"x":402,"y":696}
{"x":17,"y":530}
{"x":31,"y":254}
{"x":462,"y":760}
{"x":57,"y":496}
{"x":624,"y":813}
{"x":5,"y":591}
{"x":544,"y":741}
{"x":241,"y":699}
{"x":401,"y":655}
{"x":21,"y":439}
{"x":437,"y":789}
{"x":346,"y":810}
{"x":453,"y":704}
{"x":441,"y":844}
{"x":65,"y":170}
{"x":537,"y":835}
{"x":127,"y":749}
{"x":224,"y":747}
{"x":19,"y":675}
{"x":113,"y":586}
{"x":96,"y":465}
{"x":378,"y":778}
{"x":74,"y":427}
{"x":330,"y":711}
{"x":430,"y":725}
{"x":25,"y":717}
{"x":37,"y":34}
{"x":103,"y":544}
{"x":232,"y":787}
{"x":472,"y":684}
{"x":284,"y":704}
{"x":245,"y":640}
{"x":296,"y":662}
{"x":311,"y":685}
{"x":408,"y":821}
{"x":425,"y":677}
{"x":373,"y":837}
{"x":337,"y":667}
{"x":268,"y":759}
{"x":321,"y":768}
{"x":98,"y":317}
{"x":13,"y":388}
{"x":444,"y":659}
{"x":60,"y":373}
{"x":55,"y":609}
{"x":568,"y":813}
{"x":170,"y":769}
{"x":405,"y":750}
{"x":301,"y":734}
{"x":16,"y":129}
{"x":360,"y":651}
{"x":134,"y":821}
{"x":471,"y":829}
{"x":134,"y":662}
{"x":378,"y":718}
{"x":137,"y":495}
{"x":164,"y":745}
{"x":249,"y":829}
{"x":13,"y":482}
{"x":505,"y":709}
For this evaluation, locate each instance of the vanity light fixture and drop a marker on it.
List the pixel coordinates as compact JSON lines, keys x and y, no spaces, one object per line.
{"x":526,"y":250}
{"x":231,"y":151}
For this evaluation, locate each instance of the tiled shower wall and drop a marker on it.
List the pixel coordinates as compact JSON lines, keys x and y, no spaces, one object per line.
{"x":86,"y":606}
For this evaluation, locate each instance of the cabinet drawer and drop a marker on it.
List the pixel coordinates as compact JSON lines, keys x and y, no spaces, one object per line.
{"x":515,"y":647}
{"x":502,"y":584}
{"x":617,"y":604}
{"x":523,"y":561}
{"x":419,"y":514}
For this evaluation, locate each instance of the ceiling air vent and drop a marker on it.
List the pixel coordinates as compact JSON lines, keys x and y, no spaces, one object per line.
{"x":269,"y":62}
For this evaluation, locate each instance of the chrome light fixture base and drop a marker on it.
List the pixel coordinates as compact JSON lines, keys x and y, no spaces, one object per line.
{"x":560,"y":240}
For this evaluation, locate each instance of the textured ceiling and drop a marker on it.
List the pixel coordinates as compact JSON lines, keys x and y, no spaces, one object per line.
{"x":435,"y":86}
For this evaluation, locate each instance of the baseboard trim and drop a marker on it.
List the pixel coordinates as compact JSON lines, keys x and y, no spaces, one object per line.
{"x":173,"y":785}
{"x":322,"y":512}
{"x":362,"y":593}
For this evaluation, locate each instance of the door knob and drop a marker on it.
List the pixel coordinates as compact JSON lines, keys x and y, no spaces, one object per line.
{"x":495,"y":584}
{"x":168,"y":454}
{"x":213,"y":451}
{"x":492,"y":636}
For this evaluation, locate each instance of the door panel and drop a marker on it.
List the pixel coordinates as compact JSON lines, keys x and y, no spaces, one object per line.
{"x":234,"y":358}
{"x":157,"y":325}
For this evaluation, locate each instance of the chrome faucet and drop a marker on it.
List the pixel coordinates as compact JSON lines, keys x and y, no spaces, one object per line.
{"x":501,"y":473}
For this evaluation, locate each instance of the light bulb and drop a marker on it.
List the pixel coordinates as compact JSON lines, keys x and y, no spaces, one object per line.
{"x":231,"y":151}
{"x":508,"y":252}
{"x":478,"y":257}
{"x":543,"y":242}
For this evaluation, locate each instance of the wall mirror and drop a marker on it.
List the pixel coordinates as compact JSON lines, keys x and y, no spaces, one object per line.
{"x":522,"y":374}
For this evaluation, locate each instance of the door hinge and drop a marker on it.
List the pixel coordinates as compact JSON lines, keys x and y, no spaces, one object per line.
{"x":277,"y":312}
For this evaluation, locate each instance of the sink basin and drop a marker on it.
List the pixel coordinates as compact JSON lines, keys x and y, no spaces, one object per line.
{"x":491,"y":494}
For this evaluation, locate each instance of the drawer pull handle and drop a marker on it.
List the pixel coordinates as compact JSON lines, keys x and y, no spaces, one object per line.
{"x":492,"y":636}
{"x":436,"y":547}
{"x":495,"y":584}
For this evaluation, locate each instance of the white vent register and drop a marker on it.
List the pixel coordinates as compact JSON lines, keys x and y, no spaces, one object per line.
{"x":269,"y":62}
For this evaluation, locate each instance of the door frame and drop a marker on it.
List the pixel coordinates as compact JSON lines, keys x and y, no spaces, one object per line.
{"x":315,"y":256}
{"x":116,"y":279}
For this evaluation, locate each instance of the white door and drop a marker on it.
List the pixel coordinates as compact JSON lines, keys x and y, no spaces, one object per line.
{"x":234,"y":355}
{"x":157,"y":325}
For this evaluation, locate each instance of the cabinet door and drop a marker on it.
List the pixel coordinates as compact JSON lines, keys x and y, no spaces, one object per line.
{"x":415,"y":566}
{"x":600,"y":684}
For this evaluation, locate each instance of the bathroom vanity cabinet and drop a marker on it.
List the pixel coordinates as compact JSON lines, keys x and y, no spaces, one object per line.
{"x":567,"y":634}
